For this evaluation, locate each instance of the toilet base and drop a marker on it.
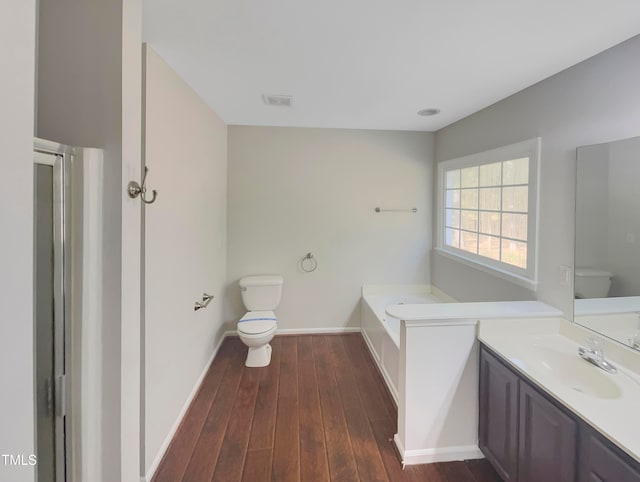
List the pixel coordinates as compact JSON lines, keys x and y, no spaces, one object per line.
{"x":258,"y":356}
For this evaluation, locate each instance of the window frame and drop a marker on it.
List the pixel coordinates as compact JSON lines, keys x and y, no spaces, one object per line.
{"x":526,"y":277}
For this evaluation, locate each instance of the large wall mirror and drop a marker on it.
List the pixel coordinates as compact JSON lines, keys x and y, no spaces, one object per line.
{"x":607,"y":252}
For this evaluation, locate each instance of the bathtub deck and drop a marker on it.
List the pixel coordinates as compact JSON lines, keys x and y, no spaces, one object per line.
{"x":319,"y":412}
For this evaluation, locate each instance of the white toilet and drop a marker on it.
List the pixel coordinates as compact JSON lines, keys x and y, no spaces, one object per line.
{"x":592,"y":283}
{"x":260,"y":295}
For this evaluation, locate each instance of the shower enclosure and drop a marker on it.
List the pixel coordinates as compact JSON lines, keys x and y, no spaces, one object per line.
{"x":52,"y":315}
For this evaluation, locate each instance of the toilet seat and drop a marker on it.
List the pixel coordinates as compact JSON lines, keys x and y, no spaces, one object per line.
{"x":257,"y":323}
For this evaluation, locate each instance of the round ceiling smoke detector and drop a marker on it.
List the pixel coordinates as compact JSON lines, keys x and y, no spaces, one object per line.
{"x":428,"y":112}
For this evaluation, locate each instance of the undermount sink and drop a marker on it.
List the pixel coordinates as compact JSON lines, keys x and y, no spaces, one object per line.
{"x":568,"y":369}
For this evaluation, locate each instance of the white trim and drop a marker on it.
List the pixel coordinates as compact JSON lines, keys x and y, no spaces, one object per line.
{"x":502,"y":274}
{"x":50,"y":147}
{"x":45,"y":158}
{"x":132,"y":362}
{"x":381,"y":369}
{"x":429,"y":456}
{"x":91,"y":379}
{"x":498,"y":154}
{"x":399,"y":447}
{"x":174,"y":428}
{"x":312,"y":331}
{"x":442,"y":322}
{"x":523,"y":277}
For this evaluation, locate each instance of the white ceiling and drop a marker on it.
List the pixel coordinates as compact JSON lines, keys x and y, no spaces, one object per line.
{"x":372,"y":64}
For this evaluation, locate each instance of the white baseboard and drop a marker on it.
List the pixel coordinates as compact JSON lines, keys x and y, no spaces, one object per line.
{"x":440,"y":454}
{"x":316,"y":331}
{"x":167,"y":441}
{"x":399,"y":447}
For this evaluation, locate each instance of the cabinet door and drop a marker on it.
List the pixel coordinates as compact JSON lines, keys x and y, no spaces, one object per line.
{"x":601,"y":462}
{"x":548,"y":439}
{"x":498,"y":424}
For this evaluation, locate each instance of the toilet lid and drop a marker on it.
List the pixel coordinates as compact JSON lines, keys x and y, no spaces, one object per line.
{"x":256,"y":322}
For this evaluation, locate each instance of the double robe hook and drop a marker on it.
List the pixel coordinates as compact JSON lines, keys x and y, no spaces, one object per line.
{"x":136,"y":189}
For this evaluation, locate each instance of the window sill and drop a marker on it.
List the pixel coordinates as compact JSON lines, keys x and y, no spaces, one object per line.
{"x":505,"y":275}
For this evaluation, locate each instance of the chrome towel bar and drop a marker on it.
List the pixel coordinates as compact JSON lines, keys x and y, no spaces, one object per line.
{"x":407,"y":210}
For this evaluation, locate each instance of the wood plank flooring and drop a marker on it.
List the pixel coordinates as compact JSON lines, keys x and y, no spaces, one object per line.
{"x":319,"y":412}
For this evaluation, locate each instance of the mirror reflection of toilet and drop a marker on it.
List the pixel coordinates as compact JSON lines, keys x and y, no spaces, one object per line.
{"x":261,"y":295}
{"x":592,"y":283}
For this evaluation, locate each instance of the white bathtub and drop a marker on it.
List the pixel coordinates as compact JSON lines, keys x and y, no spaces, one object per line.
{"x":430,"y":363}
{"x":382,"y":332}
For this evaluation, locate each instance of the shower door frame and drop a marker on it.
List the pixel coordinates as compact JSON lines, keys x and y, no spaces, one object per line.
{"x":59,"y":157}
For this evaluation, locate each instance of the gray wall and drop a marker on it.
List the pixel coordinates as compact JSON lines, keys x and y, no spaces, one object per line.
{"x":592,"y":102}
{"x":79,"y":97}
{"x":17,"y":56}
{"x":185,"y":247}
{"x":294,"y":190}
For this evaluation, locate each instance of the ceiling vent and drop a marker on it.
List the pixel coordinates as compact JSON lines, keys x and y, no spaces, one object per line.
{"x":279,"y":100}
{"x":428,"y":112}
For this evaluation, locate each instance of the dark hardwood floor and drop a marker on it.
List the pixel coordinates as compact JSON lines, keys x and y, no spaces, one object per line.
{"x":319,"y":412}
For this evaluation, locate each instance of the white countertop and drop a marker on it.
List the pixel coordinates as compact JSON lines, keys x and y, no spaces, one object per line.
{"x":472,"y":311}
{"x":615,"y":418}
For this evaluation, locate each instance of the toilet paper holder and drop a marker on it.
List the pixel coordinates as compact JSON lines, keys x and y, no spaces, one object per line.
{"x":206,"y":299}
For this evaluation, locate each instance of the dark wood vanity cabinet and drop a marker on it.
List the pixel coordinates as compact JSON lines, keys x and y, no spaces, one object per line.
{"x":547,"y":442}
{"x":529,"y":438}
{"x":600,"y":461}
{"x":498,"y":421}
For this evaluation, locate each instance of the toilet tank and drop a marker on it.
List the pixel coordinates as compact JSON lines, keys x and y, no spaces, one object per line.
{"x":592,"y":283}
{"x":261,"y":292}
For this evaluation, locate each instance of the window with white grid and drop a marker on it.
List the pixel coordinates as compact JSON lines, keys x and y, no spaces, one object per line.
{"x":487,"y":209}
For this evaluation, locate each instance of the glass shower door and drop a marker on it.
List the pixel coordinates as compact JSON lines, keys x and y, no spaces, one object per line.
{"x":44,"y":323}
{"x":50,"y":321}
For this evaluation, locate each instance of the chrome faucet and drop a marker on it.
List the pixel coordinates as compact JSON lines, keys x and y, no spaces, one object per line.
{"x":634,"y":341}
{"x":594,"y":353}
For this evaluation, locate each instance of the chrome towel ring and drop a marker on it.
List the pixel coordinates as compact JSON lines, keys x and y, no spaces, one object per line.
{"x":308,"y":264}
